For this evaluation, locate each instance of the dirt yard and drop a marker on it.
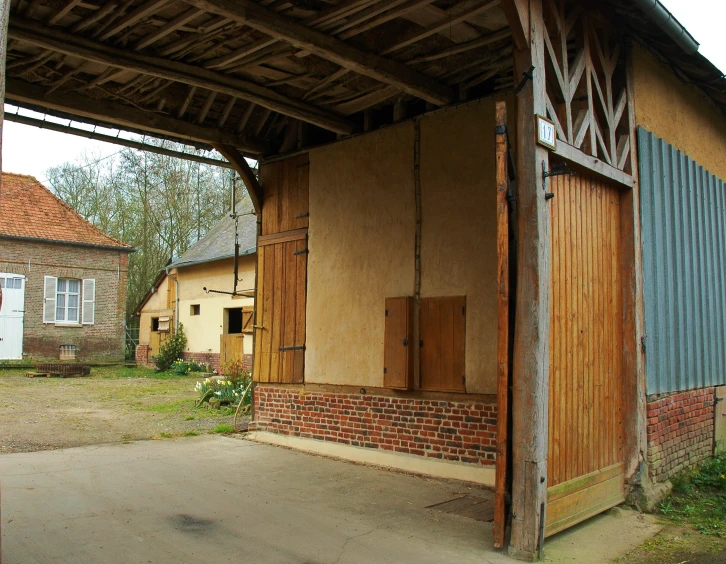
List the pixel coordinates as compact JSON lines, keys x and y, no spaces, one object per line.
{"x":113,"y":404}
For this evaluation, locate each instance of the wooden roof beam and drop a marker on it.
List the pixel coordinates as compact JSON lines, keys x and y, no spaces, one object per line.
{"x":60,"y":13}
{"x":254,"y":189}
{"x":454,"y":16}
{"x":61,"y":42}
{"x":122,"y":116}
{"x":330,"y":48}
{"x":137,"y":15}
{"x":517,"y":13}
{"x":170,"y":27}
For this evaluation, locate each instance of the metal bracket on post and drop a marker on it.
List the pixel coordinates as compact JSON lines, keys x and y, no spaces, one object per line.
{"x":557,"y":170}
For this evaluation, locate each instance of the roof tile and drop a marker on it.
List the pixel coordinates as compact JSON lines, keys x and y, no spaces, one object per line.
{"x":29,"y":209}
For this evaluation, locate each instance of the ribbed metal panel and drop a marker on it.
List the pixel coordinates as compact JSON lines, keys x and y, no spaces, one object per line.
{"x":683,"y":220}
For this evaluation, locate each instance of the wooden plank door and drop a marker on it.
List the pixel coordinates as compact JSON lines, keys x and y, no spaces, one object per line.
{"x":231,"y":348}
{"x":586,"y":464}
{"x":281,"y":299}
{"x":720,"y":437}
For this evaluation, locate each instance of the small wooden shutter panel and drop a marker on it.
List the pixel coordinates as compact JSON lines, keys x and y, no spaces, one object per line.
{"x":442,"y":338}
{"x":398,"y":352}
{"x":50,"y":286}
{"x":247,"y":319}
{"x":89,"y":301}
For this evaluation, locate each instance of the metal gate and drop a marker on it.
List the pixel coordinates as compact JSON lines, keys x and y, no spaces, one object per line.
{"x":585,"y":462}
{"x":11,"y":316}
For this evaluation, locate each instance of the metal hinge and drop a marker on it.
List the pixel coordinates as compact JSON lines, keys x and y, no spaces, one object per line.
{"x":386,"y":313}
{"x":385,"y":370}
{"x":405,"y":342}
{"x":420,"y":343}
{"x":301,"y":252}
{"x":298,"y":348}
{"x":642,"y":343}
{"x":302,"y":215}
{"x":463,"y":379}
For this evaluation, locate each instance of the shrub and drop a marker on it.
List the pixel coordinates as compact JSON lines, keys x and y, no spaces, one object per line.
{"x":171,"y":350}
{"x":182,"y":366}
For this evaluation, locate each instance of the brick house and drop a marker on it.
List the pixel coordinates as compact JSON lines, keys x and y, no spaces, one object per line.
{"x":64,"y":279}
{"x":196,"y":290}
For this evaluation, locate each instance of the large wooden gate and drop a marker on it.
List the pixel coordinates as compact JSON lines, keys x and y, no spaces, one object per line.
{"x":585,"y":463}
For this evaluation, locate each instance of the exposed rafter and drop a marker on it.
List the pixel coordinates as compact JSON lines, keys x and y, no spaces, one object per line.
{"x":65,"y":43}
{"x":24,"y":94}
{"x":330,"y":48}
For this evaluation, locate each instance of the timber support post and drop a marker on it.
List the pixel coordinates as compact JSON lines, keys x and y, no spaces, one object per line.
{"x":4,"y":18}
{"x":530,"y":401}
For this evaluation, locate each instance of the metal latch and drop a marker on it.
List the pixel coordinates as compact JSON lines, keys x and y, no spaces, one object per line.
{"x":298,"y":348}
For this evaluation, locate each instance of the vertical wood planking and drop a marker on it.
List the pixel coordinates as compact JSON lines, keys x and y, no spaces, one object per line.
{"x":398,"y":344}
{"x":301,"y":310}
{"x":285,"y":204}
{"x":442,"y":333}
{"x":586,"y":430}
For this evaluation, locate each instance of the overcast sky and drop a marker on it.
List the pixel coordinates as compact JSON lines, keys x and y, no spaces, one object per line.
{"x":29,"y":150}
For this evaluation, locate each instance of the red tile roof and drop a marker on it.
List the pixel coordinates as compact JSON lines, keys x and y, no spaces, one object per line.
{"x":29,"y":209}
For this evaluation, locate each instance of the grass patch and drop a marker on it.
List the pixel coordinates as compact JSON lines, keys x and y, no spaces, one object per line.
{"x":189,"y":418}
{"x":223,"y":428}
{"x":169,"y":406}
{"x":191,"y":434}
{"x":165,"y":435}
{"x":699,"y":498}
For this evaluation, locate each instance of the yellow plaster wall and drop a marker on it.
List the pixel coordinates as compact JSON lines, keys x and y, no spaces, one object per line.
{"x":361,"y":241}
{"x":156,"y":306}
{"x":678,"y":112}
{"x":203,"y":330}
{"x":459,"y":228}
{"x":362,"y":233}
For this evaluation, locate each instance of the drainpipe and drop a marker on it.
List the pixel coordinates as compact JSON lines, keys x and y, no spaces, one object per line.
{"x":660,"y":15}
{"x":176,"y":300}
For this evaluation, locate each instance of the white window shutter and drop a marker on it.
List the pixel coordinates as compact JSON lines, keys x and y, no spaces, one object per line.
{"x":89,"y":301}
{"x":50,"y":286}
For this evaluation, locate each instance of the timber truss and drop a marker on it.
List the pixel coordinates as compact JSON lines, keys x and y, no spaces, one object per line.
{"x":253,"y":78}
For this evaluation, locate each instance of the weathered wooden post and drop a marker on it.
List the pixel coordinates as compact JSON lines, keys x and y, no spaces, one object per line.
{"x":531,"y":339}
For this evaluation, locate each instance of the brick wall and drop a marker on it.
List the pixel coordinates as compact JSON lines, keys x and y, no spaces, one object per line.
{"x":104,"y":340}
{"x":142,"y":354}
{"x":680,"y":431}
{"x":449,"y":430}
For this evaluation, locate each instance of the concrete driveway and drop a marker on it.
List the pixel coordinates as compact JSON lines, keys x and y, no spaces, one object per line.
{"x":219,"y":499}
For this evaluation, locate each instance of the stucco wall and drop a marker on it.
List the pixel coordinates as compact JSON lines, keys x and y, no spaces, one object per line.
{"x":459,"y":228}
{"x":361,"y":241}
{"x":362,"y":234}
{"x":203,"y":330}
{"x":679,"y":113}
{"x":156,"y":306}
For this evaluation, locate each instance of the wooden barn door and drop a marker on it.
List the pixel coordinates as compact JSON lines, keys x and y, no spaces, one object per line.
{"x":282,"y":264}
{"x":585,"y":464}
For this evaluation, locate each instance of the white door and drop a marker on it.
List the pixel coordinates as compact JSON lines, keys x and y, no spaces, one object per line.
{"x":11,"y":316}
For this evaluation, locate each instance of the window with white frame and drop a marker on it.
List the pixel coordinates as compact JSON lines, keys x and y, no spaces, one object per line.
{"x":69,"y":301}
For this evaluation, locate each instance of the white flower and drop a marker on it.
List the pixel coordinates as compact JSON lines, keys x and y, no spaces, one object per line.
{"x":218,"y":393}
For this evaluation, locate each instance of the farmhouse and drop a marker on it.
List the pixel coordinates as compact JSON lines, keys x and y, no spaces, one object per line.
{"x":491,"y":236}
{"x":197,"y":290}
{"x":63,"y":279}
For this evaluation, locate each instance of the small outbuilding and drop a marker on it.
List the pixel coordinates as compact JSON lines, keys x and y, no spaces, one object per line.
{"x":63,"y":279}
{"x":198,"y":291}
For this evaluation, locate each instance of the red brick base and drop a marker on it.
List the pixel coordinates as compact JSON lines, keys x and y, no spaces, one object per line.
{"x":680,"y":431}
{"x":142,"y":354}
{"x":458,"y":431}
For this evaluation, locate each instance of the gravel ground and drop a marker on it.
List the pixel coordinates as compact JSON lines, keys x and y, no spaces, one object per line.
{"x":113,"y":404}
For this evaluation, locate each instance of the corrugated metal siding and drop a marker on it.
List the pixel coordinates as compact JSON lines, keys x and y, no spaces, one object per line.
{"x":683,"y":219}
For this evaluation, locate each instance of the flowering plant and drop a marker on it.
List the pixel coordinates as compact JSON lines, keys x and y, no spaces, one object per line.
{"x":182,"y":366}
{"x":225,"y":391}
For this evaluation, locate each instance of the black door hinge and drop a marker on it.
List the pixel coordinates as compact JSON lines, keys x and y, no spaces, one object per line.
{"x":405,"y":342}
{"x":298,"y":348}
{"x":301,"y":252}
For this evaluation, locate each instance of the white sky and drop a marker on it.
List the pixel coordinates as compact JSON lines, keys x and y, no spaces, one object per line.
{"x":29,"y":150}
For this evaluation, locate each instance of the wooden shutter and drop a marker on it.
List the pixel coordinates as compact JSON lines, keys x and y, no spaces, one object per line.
{"x":285,"y":206}
{"x":89,"y":301}
{"x":442,"y":338}
{"x":50,"y":287}
{"x":398,"y":351}
{"x":248,"y":317}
